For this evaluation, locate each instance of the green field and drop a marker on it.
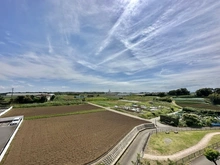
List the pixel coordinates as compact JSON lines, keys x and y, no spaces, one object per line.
{"x":200,"y":103}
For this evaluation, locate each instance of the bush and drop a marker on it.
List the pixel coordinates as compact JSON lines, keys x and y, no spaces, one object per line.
{"x":214,"y":98}
{"x":167,"y":99}
{"x":31,"y":99}
{"x":171,"y":120}
{"x":192,"y":120}
{"x":52,"y":97}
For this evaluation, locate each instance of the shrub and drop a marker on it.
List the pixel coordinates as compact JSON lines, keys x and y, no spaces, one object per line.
{"x":52,"y":97}
{"x":192,"y":120}
{"x":171,"y":120}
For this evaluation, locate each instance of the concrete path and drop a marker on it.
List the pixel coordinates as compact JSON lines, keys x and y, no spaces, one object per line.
{"x":202,"y":144}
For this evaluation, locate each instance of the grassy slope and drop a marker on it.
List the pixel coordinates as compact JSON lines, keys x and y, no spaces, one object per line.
{"x":166,"y":144}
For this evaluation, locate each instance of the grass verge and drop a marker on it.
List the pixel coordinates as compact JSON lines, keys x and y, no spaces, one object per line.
{"x":47,"y":104}
{"x":63,"y":114}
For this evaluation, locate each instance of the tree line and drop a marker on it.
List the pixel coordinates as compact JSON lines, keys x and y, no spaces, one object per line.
{"x":212,"y":93}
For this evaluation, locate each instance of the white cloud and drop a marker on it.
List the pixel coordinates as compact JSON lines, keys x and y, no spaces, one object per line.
{"x":120,"y":45}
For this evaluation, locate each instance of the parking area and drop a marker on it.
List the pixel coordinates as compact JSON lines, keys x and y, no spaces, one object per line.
{"x":7,"y":128}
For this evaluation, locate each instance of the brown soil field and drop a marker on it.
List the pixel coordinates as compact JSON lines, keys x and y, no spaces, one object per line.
{"x":37,"y":111}
{"x":68,"y":140}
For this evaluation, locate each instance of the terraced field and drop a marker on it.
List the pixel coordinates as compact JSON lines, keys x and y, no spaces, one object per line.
{"x":200,"y":103}
{"x":73,"y":139}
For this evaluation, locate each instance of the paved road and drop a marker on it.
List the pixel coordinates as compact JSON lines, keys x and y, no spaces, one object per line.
{"x":138,"y":144}
{"x":203,"y":161}
{"x":5,"y":134}
{"x":134,"y":149}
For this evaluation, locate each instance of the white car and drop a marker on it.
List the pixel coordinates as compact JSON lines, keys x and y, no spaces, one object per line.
{"x":15,"y":121}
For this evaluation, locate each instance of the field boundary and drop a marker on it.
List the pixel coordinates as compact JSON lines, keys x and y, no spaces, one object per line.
{"x":114,"y":154}
{"x":2,"y":154}
{"x":6,"y":111}
{"x":122,"y":113}
{"x":63,"y":114}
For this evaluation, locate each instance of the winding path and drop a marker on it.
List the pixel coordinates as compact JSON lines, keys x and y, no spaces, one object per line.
{"x":200,"y":145}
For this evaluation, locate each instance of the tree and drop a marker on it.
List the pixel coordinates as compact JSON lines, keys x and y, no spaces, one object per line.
{"x":172,"y":92}
{"x":181,"y":91}
{"x":212,"y":155}
{"x":1,"y":98}
{"x":52,"y":97}
{"x":215,"y":98}
{"x":43,"y":99}
{"x":217,"y":90}
{"x":204,"y":92}
{"x":161,"y":94}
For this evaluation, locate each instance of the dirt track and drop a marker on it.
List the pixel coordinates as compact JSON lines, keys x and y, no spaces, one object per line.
{"x":75,"y":139}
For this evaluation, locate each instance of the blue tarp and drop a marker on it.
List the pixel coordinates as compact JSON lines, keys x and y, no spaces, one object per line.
{"x":215,"y":124}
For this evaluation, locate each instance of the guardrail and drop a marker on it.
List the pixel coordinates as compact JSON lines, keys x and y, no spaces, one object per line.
{"x":114,"y":154}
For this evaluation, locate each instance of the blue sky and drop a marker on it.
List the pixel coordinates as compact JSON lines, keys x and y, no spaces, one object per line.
{"x":121,"y":45}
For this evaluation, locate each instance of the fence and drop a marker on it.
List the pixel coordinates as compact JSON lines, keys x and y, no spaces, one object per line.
{"x":113,"y":155}
{"x":183,"y":129}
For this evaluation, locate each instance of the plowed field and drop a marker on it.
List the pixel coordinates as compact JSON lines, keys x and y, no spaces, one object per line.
{"x":68,"y":140}
{"x":27,"y":112}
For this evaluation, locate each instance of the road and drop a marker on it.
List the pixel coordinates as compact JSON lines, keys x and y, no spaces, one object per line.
{"x":137,"y":145}
{"x":5,"y":134}
{"x":203,"y":161}
{"x":134,"y":149}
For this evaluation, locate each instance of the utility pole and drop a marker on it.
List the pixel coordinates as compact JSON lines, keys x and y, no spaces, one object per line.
{"x":12,"y":90}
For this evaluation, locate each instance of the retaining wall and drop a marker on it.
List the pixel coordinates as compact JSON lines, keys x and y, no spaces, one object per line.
{"x":113,"y":155}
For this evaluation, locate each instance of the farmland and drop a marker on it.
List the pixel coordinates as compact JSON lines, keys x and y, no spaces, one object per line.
{"x":36,"y":111}
{"x":153,"y":107}
{"x":199,"y":103}
{"x":73,"y":139}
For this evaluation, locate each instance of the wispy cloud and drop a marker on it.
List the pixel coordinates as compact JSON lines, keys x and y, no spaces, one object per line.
{"x":120,"y":45}
{"x":50,"y":48}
